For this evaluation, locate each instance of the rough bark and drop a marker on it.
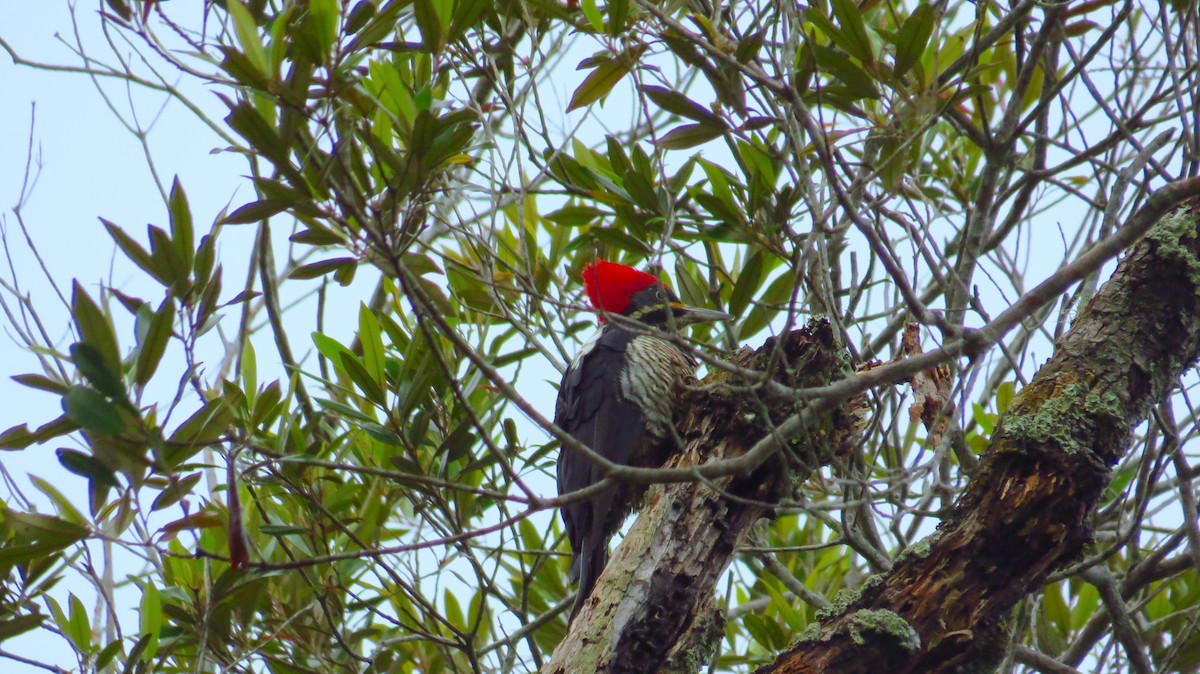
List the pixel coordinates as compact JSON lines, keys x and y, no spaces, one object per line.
{"x":1026,"y":513}
{"x":652,"y":609}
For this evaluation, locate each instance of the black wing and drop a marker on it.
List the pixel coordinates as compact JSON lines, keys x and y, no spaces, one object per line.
{"x":592,"y":409}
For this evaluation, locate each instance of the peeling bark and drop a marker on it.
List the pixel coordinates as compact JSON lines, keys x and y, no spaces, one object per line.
{"x":1026,"y":513}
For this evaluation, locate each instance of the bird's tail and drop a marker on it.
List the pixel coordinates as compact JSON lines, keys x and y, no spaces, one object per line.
{"x":586,"y":568}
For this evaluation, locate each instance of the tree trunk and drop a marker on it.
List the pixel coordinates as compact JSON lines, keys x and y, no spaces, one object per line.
{"x":1027,"y":512}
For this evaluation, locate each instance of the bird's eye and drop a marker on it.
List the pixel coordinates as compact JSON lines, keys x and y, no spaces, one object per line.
{"x":660,"y":294}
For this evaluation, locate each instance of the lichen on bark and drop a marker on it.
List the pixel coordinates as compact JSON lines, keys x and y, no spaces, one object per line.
{"x":1027,"y":510}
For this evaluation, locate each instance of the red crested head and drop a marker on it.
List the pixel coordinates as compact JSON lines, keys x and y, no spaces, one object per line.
{"x":611,"y":286}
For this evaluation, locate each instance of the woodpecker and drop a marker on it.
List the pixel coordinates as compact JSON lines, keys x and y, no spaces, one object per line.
{"x":617,"y":398}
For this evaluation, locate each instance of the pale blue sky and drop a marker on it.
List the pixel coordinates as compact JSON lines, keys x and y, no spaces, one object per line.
{"x":88,"y":165}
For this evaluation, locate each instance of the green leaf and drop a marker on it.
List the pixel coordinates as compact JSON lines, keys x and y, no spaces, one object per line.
{"x":132,"y":250}
{"x":239,"y":67}
{"x":91,"y":410}
{"x":62,"y":505}
{"x":60,"y":426}
{"x":247,"y":35}
{"x":141,"y":653}
{"x":256,"y":211}
{"x":93,"y":368}
{"x":41,"y":382}
{"x":689,"y":135}
{"x":371,"y":337}
{"x":678,"y":104}
{"x":244,"y":296}
{"x":267,"y":405}
{"x":317,"y":235}
{"x":839,"y":65}
{"x":155,"y":343}
{"x":36,"y":528}
{"x":777,"y":294}
{"x":457,"y":445}
{"x":454,"y":614}
{"x":345,"y":410}
{"x":358,"y":17}
{"x":182,"y":234}
{"x":576,"y":215}
{"x":121,"y":8}
{"x":358,"y":373}
{"x":283,"y":530}
{"x":175,"y":491}
{"x":913,"y":38}
{"x":856,"y":41}
{"x":431,"y":23}
{"x":747,"y":285}
{"x":986,"y":421}
{"x":47,"y":431}
{"x":85,"y":465}
{"x":206,"y":425}
{"x":249,"y":369}
{"x":618,"y":14}
{"x":592,"y":14}
{"x":1004,"y":396}
{"x":17,"y":437}
{"x":692,"y":287}
{"x":246,"y":120}
{"x":749,"y":46}
{"x":345,"y":275}
{"x":11,"y":626}
{"x":1056,"y":608}
{"x":323,"y":18}
{"x":318,"y":269}
{"x":329,"y":347}
{"x":167,"y":261}
{"x":765,"y":631}
{"x":895,"y":161}
{"x":209,"y":297}
{"x":679,"y":182}
{"x":757,"y":160}
{"x":206,"y":257}
{"x":1086,"y":599}
{"x":1053,"y":620}
{"x":94,"y":328}
{"x":466,"y":16}
{"x":25,"y":553}
{"x":718,"y":181}
{"x":597,"y":84}
{"x":107,"y":654}
{"x":79,"y":629}
{"x":817,"y":17}
{"x":150,"y":611}
{"x":617,"y":158}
